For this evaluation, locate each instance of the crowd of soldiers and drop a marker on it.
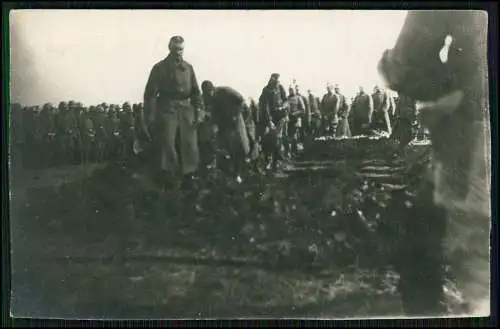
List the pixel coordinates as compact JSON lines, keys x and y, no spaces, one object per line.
{"x":73,"y":134}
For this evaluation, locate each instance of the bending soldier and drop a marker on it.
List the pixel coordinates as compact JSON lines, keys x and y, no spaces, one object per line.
{"x":227,"y":107}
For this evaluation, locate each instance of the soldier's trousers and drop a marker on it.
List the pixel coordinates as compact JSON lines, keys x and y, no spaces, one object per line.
{"x":402,"y":131}
{"x":178,"y":116}
{"x":330,"y":123}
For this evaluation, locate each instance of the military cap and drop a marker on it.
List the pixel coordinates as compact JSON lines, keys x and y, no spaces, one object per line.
{"x":275,"y":76}
{"x":207,"y":85}
{"x":71,"y":103}
{"x":47,"y":106}
{"x":176,"y":39}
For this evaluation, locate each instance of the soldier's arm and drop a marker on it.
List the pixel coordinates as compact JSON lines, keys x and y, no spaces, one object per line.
{"x":196,"y":98}
{"x":264,"y":108}
{"x":322,"y":105}
{"x":282,"y":92}
{"x":151,"y":92}
{"x":337,"y":105}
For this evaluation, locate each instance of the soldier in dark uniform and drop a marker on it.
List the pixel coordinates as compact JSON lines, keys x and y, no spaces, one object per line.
{"x":440,"y":58}
{"x":314,"y":106}
{"x":274,"y":117}
{"x":99,"y":121}
{"x":16,"y":114}
{"x":361,"y":113}
{"x":297,"y":112}
{"x":343,"y":129}
{"x":306,"y":122}
{"x":227,"y":106}
{"x":127,"y":129}
{"x":37,"y":146}
{"x":87,"y":135}
{"x":173,"y":100}
{"x":405,"y":116}
{"x":72,"y":123}
{"x":113,"y":131}
{"x":381,"y":104}
{"x":47,"y":129}
{"x":330,"y":111}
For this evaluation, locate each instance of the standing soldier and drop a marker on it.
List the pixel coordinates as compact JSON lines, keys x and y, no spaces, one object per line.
{"x":381,"y":105}
{"x":306,"y":122}
{"x":16,"y":114}
{"x":314,"y":108}
{"x":405,"y":115}
{"x":127,"y":129}
{"x":47,"y":128}
{"x":60,"y":133}
{"x":100,"y":123}
{"x":87,"y":135}
{"x":73,"y":130}
{"x":173,"y":101}
{"x":330,"y":111}
{"x":297,"y":113}
{"x":38,"y":142}
{"x":274,"y":116}
{"x":343,"y":128}
{"x":440,"y":58}
{"x":113,"y":131}
{"x":361,"y":113}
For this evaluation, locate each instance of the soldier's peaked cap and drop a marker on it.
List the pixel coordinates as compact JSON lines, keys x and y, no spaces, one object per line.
{"x":275,"y":75}
{"x":176,"y":39}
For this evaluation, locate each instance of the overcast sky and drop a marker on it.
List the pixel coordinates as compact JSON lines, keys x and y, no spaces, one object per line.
{"x":106,"y":55}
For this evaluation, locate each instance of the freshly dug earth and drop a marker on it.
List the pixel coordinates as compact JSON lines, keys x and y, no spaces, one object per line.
{"x":317,"y":242}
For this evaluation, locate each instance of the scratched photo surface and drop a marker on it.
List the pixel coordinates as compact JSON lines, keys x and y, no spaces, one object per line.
{"x":249,"y":164}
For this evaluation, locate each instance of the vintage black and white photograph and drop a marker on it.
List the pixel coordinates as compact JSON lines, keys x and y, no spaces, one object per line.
{"x":215,"y":164}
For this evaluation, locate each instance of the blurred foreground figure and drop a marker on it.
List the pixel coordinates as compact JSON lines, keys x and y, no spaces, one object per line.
{"x":172,"y":101}
{"x":440,"y":58}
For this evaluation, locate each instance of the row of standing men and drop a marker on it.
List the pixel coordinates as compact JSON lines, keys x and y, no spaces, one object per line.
{"x":72,"y":133}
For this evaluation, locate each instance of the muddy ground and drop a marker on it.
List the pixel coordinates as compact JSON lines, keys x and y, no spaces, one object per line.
{"x":102,"y":241}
